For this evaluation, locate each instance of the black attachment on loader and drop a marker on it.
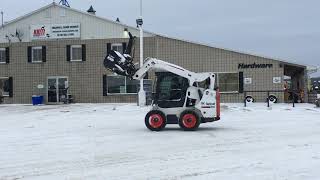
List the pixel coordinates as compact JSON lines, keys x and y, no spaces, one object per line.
{"x":122,"y":64}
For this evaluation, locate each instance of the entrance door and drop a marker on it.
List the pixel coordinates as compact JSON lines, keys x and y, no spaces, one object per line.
{"x":57,"y":89}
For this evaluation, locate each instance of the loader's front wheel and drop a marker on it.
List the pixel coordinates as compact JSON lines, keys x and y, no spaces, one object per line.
{"x":155,"y":120}
{"x":189,"y":120}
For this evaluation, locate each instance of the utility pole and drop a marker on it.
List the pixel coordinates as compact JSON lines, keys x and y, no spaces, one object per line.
{"x":142,"y":93}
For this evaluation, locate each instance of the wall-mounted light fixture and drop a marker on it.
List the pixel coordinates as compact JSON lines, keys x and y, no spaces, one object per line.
{"x":126,"y":33}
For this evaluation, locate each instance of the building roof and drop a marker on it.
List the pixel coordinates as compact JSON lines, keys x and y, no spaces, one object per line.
{"x":156,"y":34}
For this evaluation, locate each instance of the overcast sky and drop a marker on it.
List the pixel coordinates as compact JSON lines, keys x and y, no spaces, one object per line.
{"x":285,"y":29}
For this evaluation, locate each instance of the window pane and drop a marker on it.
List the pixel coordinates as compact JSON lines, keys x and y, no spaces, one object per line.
{"x":164,"y":88}
{"x":4,"y":87}
{"x":37,"y":55}
{"x":117,"y":47}
{"x":2,"y":56}
{"x":132,"y":86}
{"x":206,"y":83}
{"x":228,"y":82}
{"x":76,"y":53}
{"x":116,"y":84}
{"x":170,"y":87}
{"x":62,"y":85}
{"x":52,"y":90}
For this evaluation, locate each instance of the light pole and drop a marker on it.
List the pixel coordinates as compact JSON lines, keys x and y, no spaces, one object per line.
{"x":142,"y":93}
{"x":2,"y":19}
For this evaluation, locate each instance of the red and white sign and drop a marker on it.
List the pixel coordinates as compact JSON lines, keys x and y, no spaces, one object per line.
{"x":55,"y":31}
{"x":39,"y":31}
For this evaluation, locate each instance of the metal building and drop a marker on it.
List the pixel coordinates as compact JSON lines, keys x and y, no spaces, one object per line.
{"x":57,"y":50}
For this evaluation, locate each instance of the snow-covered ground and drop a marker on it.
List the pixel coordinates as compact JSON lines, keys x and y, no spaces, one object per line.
{"x":103,"y":141}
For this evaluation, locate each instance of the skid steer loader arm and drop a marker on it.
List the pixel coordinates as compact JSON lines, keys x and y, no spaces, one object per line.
{"x":122,"y":64}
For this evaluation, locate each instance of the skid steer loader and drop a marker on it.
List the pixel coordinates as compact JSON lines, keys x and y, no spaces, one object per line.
{"x":181,"y":96}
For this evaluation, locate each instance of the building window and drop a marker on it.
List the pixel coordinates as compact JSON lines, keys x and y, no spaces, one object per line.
{"x":228,"y":82}
{"x":4,"y":86}
{"x":117,"y":47}
{"x":121,"y":85}
{"x":76,"y":52}
{"x":3,"y":55}
{"x":37,"y":54}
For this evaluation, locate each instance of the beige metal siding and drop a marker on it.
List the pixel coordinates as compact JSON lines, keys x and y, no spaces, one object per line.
{"x":200,"y":58}
{"x":85,"y":78}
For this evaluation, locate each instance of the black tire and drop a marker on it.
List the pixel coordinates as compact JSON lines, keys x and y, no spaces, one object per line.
{"x":249,"y":99}
{"x":155,"y":120}
{"x":189,"y":120}
{"x":273,"y":99}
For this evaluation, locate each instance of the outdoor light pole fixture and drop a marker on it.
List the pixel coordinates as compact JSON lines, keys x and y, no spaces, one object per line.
{"x":142,"y":93}
{"x":2,"y":19}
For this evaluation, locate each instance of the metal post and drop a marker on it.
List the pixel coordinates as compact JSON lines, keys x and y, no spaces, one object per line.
{"x":245,"y":101}
{"x":268,"y":100}
{"x":142,"y":93}
{"x":293,"y":99}
{"x":2,"y":23}
{"x":141,"y":8}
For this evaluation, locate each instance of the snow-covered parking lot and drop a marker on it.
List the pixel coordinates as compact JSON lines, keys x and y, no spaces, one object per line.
{"x":104,"y":141}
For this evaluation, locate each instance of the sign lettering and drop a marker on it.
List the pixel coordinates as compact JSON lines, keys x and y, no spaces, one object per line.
{"x":254,"y":66}
{"x":55,"y":31}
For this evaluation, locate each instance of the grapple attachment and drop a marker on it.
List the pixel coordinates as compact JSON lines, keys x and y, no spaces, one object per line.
{"x":122,"y":64}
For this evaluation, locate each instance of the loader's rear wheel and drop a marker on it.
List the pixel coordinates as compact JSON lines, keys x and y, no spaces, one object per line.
{"x":155,"y":120}
{"x":189,"y":120}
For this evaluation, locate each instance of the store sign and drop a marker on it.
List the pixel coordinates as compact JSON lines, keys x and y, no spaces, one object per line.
{"x":40,"y":86}
{"x":276,"y":80}
{"x":55,"y":31}
{"x":254,"y":66}
{"x":65,"y":31}
{"x":39,"y":31}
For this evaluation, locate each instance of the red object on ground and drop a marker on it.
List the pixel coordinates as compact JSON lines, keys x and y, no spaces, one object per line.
{"x":218,"y":101}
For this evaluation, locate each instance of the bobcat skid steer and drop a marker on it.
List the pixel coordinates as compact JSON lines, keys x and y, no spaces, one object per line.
{"x":181,"y":96}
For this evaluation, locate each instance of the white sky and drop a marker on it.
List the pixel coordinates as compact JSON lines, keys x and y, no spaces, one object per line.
{"x":285,"y":29}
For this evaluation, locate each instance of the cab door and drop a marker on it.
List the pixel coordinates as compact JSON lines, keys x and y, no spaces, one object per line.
{"x":170,"y":90}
